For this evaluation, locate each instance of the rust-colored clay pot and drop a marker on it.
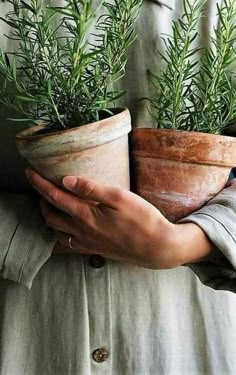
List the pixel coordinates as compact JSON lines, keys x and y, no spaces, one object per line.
{"x":178,"y":172}
{"x":98,"y":150}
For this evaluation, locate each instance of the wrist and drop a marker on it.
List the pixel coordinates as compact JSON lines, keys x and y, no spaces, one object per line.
{"x":191,"y":243}
{"x":166,"y":245}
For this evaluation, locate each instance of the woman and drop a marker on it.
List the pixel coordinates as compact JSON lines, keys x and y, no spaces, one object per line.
{"x":87,"y":314}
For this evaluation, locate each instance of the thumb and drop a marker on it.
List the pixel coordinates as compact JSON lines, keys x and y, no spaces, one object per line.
{"x":91,"y":190}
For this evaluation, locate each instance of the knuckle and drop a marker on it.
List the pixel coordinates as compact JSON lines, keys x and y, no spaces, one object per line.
{"x":118,"y":195}
{"x":88,"y":188}
{"x":86,"y":218}
{"x":54,"y":195}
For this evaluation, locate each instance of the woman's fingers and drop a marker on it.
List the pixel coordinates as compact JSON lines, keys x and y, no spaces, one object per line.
{"x":122,"y":226}
{"x":63,"y":200}
{"x":74,"y":244}
{"x":57,"y":219}
{"x":87,"y":189}
{"x":63,"y":249}
{"x":68,"y":240}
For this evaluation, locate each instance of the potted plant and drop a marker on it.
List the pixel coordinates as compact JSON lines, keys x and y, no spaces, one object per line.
{"x":186,"y":161}
{"x":60,"y":79}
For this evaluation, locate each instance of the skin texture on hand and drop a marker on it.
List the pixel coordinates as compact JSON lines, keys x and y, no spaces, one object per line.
{"x":116,"y":224}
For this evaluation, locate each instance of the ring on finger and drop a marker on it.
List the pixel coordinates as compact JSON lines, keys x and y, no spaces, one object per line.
{"x":70,"y":242}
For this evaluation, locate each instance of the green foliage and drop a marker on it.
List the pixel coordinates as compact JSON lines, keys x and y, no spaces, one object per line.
{"x":195,"y":90}
{"x":173,"y":84}
{"x":57,"y":75}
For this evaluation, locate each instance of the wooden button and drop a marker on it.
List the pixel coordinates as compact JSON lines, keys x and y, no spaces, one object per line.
{"x":96,"y":261}
{"x":100,"y":355}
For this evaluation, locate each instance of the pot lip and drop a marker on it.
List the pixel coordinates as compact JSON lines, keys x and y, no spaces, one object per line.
{"x":219,"y":150}
{"x":184,"y":133}
{"x":23,"y":133}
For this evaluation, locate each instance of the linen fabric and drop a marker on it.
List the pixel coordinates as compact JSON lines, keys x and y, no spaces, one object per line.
{"x":55,"y":311}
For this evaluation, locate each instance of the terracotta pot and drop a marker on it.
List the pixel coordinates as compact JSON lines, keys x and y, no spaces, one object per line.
{"x":98,"y":150}
{"x":178,"y":172}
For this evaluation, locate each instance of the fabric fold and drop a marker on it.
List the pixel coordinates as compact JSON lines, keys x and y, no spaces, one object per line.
{"x":26,"y":242}
{"x":217,"y":219}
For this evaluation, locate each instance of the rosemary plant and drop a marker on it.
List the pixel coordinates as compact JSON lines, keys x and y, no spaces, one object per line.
{"x":195,"y":90}
{"x":173,"y":84}
{"x":215,"y":101}
{"x":57,"y":75}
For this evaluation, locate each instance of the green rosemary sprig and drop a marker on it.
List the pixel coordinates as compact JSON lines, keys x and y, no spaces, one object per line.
{"x":214,"y":104}
{"x":194,"y":93}
{"x":57,"y":75}
{"x":169,"y":107}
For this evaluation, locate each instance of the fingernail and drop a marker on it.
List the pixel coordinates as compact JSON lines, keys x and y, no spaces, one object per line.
{"x":70,"y":181}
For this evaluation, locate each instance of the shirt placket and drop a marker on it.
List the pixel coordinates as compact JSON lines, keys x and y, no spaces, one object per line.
{"x":97,"y":274}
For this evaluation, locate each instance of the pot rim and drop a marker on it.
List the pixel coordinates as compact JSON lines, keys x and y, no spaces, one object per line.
{"x":23,"y":133}
{"x":75,"y":139}
{"x":184,"y":146}
{"x":185,"y":133}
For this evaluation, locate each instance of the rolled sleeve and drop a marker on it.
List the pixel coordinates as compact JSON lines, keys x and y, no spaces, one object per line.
{"x":218,"y":220}
{"x":26,"y":242}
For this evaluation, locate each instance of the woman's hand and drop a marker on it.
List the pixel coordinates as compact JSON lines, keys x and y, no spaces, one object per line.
{"x":116,"y":224}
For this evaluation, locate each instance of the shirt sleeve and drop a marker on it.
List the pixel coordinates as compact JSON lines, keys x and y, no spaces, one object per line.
{"x":25,"y":241}
{"x":218,"y":220}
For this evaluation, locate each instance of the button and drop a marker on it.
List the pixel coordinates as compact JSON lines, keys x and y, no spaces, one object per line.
{"x":97,"y":261}
{"x":100,"y":355}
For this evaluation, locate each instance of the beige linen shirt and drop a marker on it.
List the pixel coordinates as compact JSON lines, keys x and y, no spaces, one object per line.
{"x":55,"y":312}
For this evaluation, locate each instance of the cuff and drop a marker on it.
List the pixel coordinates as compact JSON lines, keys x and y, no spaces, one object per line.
{"x":218,"y":271}
{"x":28,"y":242}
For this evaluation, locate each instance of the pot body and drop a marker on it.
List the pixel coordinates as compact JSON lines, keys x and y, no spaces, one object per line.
{"x":98,"y":150}
{"x":178,"y":172}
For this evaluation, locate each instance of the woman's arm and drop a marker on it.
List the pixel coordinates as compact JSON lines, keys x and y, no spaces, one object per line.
{"x":124,"y":227}
{"x":218,"y":220}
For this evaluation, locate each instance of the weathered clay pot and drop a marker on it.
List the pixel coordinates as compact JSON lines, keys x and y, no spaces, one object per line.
{"x":98,"y":150}
{"x":178,"y":172}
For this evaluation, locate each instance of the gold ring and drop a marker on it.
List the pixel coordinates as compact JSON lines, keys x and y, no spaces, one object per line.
{"x":70,"y":242}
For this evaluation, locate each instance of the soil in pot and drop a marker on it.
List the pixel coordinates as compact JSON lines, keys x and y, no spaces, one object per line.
{"x":178,"y":172}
